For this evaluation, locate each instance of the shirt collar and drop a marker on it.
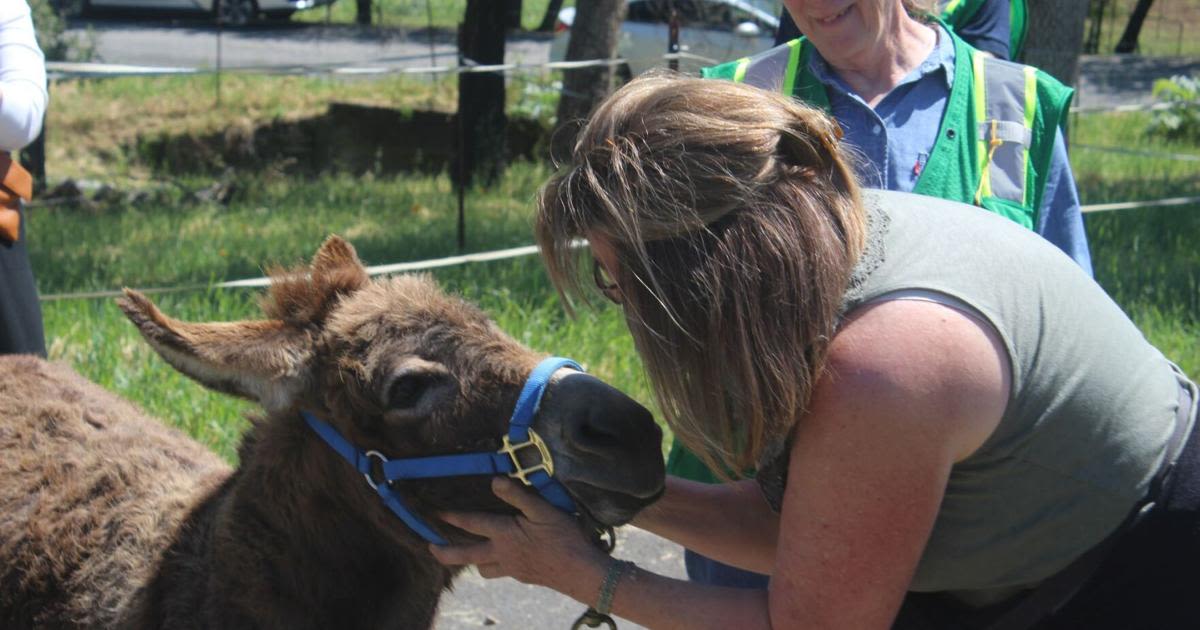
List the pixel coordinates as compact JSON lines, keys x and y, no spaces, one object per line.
{"x":941,"y":58}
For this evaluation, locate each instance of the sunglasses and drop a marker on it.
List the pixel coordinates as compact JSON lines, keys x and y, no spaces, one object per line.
{"x":607,"y":286}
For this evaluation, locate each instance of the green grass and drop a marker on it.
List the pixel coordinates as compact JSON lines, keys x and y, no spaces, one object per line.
{"x":95,"y":337}
{"x":91,"y":131}
{"x":407,"y":218}
{"x":1167,"y":30}
{"x":1147,"y":259}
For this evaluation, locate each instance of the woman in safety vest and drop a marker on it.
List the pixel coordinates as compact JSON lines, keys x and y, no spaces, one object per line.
{"x":996,"y":27}
{"x":953,"y":425}
{"x":929,"y":114}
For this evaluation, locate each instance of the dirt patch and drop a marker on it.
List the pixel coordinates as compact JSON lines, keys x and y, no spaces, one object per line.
{"x":347,"y":138}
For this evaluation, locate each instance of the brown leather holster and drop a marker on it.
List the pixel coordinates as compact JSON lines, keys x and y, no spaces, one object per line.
{"x":15,"y":185}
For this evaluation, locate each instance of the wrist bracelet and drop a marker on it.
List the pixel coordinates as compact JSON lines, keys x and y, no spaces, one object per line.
{"x":608,"y":588}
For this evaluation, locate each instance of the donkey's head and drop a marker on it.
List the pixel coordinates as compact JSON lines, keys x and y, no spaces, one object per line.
{"x":399,"y":367}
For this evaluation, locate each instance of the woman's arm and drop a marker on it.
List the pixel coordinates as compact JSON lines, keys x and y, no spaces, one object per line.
{"x":22,"y":78}
{"x":911,"y":388}
{"x":729,"y":522}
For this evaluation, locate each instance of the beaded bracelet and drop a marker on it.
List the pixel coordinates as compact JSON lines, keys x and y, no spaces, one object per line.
{"x":608,"y":588}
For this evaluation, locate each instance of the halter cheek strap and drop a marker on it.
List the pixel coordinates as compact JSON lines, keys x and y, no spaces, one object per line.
{"x":372,"y":464}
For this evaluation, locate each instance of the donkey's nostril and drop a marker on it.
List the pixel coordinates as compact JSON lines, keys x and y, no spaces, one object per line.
{"x":597,"y":423}
{"x":593,"y":434}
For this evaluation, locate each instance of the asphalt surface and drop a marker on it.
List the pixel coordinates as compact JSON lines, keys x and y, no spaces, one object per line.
{"x":506,"y":603}
{"x":196,"y":42}
{"x":192,"y":42}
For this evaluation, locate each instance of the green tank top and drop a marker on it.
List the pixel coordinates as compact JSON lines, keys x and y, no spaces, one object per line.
{"x":1092,"y":407}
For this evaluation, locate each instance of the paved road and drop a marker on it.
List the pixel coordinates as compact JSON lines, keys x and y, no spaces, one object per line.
{"x":509,"y":605}
{"x":1108,"y":80}
{"x":194,"y":43}
{"x":1105,"y":80}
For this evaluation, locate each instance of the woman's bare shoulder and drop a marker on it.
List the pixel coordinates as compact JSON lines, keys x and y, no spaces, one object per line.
{"x":948,"y":368}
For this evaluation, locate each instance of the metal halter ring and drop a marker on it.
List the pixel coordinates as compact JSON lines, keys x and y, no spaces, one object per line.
{"x":367,"y":475}
{"x":547,"y":463}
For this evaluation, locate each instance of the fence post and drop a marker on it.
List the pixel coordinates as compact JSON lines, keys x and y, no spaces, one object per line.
{"x":673,"y":38}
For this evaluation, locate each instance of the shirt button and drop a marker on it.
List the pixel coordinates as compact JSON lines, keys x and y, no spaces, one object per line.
{"x":876,"y":129}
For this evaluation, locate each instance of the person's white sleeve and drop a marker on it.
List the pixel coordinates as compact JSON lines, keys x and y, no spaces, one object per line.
{"x":23,"y":93}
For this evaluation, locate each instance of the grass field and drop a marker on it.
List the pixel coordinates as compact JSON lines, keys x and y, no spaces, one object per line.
{"x":1147,"y":259}
{"x":1166,"y":30}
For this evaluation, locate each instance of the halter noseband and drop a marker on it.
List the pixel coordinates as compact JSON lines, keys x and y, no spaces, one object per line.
{"x":503,"y":462}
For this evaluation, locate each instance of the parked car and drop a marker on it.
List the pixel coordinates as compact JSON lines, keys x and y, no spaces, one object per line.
{"x":716,"y":30}
{"x":231,"y":12}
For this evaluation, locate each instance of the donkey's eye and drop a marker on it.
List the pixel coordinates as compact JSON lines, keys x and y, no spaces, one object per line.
{"x":406,"y":391}
{"x":416,"y":387}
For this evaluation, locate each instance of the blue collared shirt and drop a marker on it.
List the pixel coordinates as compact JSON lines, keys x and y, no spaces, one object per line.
{"x":893,"y":141}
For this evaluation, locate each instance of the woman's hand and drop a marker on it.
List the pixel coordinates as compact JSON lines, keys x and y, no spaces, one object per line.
{"x":541,"y":545}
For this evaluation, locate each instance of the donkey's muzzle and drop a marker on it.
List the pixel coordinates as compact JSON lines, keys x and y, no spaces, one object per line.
{"x":606,"y":447}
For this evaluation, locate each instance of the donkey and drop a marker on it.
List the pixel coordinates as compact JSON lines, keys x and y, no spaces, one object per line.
{"x":109,"y":519}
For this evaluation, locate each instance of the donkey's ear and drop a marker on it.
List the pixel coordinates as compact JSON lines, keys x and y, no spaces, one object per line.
{"x":266,"y":361}
{"x":337,"y":254}
{"x":305,"y":296}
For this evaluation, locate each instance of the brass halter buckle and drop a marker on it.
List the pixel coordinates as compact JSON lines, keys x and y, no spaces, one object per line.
{"x":547,"y":464}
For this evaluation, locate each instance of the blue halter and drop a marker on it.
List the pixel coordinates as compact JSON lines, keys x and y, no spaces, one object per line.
{"x":502,"y":462}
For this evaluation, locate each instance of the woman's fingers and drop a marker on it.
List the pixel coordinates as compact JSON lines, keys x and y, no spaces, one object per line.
{"x":490,"y":571}
{"x":532,"y":506}
{"x":459,"y":555}
{"x":486,"y":525}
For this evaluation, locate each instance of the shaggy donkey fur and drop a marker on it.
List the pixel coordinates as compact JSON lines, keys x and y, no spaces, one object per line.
{"x":109,"y":519}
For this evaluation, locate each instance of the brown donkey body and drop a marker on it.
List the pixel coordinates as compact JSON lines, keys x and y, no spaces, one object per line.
{"x":110,"y":519}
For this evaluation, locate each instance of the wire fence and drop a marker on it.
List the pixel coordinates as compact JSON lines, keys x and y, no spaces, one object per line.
{"x":384,"y":67}
{"x":500,"y":254}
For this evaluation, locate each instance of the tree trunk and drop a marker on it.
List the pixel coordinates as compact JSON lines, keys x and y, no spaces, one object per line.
{"x":512,"y":19}
{"x":1056,"y":37}
{"x":593,"y":36}
{"x":1129,"y":39}
{"x":362,"y":12}
{"x":551,"y":16}
{"x":483,"y":124}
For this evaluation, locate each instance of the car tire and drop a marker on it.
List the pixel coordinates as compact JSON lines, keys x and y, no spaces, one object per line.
{"x":235,"y":12}
{"x":281,"y":15}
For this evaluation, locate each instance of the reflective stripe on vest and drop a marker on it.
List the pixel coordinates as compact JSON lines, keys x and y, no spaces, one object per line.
{"x":1005,"y":99}
{"x":773,"y":70}
{"x":1004,"y":95}
{"x":950,"y":6}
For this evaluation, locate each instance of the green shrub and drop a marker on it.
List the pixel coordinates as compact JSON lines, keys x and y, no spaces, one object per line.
{"x":1181,"y":119}
{"x":50,"y":23}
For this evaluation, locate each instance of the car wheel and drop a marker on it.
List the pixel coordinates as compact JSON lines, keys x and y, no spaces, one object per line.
{"x":236,"y":12}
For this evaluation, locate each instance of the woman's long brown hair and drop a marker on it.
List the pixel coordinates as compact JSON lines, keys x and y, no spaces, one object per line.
{"x":736,"y":221}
